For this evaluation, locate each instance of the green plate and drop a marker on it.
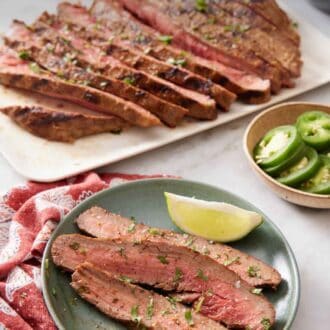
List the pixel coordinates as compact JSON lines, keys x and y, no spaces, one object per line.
{"x":145,"y":201}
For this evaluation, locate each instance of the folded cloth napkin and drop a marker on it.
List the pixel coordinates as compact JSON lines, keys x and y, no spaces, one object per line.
{"x":28,"y":216}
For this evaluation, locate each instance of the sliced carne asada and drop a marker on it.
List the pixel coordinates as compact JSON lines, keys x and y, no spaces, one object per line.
{"x":169,"y":19}
{"x":101,"y":223}
{"x":199,"y":106}
{"x":112,"y":20}
{"x":226,"y":298}
{"x":15,"y":72}
{"x":62,"y":126}
{"x":139,"y":60}
{"x":270,"y":11}
{"x":133,"y":305}
{"x":62,"y":62}
{"x":248,"y":29}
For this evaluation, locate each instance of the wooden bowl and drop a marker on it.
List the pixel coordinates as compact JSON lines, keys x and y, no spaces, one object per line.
{"x":282,"y":114}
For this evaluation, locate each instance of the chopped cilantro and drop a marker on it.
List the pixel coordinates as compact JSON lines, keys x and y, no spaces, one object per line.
{"x":236,"y":28}
{"x":129,"y":80}
{"x":201,"y":275}
{"x":135,"y":314}
{"x":266,"y":323}
{"x":24,"y":55}
{"x":199,"y":304}
{"x":34,"y":67}
{"x":228,"y":262}
{"x":201,"y":5}
{"x":188,"y":317}
{"x":153,"y":231}
{"x":177,"y":276}
{"x":253,"y":271}
{"x":162,"y":259}
{"x":167,"y":40}
{"x":150,"y":308}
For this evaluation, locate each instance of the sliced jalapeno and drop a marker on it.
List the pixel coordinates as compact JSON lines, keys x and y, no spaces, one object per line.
{"x":276,"y":146}
{"x":304,"y":169}
{"x":314,"y":128}
{"x":320,"y":182}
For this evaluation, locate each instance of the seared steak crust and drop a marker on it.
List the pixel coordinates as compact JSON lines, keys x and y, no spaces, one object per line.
{"x":29,"y":76}
{"x":170,"y":268}
{"x":117,"y":298}
{"x":101,"y":223}
{"x":56,"y":125}
{"x":112,"y":20}
{"x":199,"y":106}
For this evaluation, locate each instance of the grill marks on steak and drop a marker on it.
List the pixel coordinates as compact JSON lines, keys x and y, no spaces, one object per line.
{"x":138,"y":60}
{"x":100,"y":223}
{"x":112,"y":20}
{"x":168,"y":267}
{"x":29,"y":76}
{"x":117,"y":298}
{"x":198,"y":105}
{"x":62,"y":62}
{"x":56,"y":125}
{"x":168,"y":17}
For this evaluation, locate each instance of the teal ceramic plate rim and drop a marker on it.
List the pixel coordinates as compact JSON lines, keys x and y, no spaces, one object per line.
{"x":81,"y":207}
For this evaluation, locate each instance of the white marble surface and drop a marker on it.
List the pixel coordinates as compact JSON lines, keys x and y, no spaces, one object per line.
{"x":216,"y":157}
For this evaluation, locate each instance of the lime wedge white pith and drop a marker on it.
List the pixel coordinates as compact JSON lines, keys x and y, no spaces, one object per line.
{"x":212,"y":220}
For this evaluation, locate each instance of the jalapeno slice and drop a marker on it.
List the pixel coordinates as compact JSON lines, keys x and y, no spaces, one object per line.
{"x":290,"y":161}
{"x":320,"y":182}
{"x":314,"y":128}
{"x":304,"y":169}
{"x":276,"y":146}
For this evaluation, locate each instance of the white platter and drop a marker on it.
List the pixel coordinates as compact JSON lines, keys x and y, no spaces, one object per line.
{"x":41,"y":160}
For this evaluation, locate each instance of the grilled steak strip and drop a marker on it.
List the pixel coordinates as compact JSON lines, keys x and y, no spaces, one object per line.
{"x":118,"y":298}
{"x":56,"y":125}
{"x":198,"y":105}
{"x":170,"y":268}
{"x":259,"y":36}
{"x":270,"y":11}
{"x":62,"y":62}
{"x":29,"y":76}
{"x":166,"y":17}
{"x":111,"y":19}
{"x":139,"y":60}
{"x":101,"y":223}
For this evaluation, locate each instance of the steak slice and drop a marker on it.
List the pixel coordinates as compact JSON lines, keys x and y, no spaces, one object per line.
{"x":141,"y":61}
{"x":134,"y":306}
{"x":62,"y":62}
{"x":101,"y":223}
{"x":198,"y":105}
{"x":258,"y":35}
{"x":170,"y":268}
{"x":56,"y":125}
{"x":270,"y":11}
{"x":111,"y":19}
{"x":18,"y":73}
{"x":168,"y":18}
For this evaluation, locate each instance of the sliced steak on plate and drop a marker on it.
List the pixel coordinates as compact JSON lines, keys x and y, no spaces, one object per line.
{"x":18,"y":73}
{"x":227,"y":298}
{"x":168,"y":18}
{"x":112,"y":20}
{"x":133,"y":305}
{"x":101,"y":223}
{"x":56,"y":125}
{"x":62,"y":62}
{"x":200,"y":106}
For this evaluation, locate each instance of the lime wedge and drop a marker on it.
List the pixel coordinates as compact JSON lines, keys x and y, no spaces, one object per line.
{"x":212,"y":220}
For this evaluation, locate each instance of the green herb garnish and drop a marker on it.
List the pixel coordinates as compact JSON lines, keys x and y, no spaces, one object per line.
{"x":34,"y":67}
{"x":24,"y":55}
{"x":125,"y":279}
{"x":153,"y":231}
{"x":135,"y":314}
{"x":266,"y":323}
{"x":253,"y":271}
{"x":201,"y":5}
{"x":188,"y":317}
{"x":236,"y":28}
{"x":131,"y":227}
{"x":167,"y":40}
{"x":228,"y":262}
{"x":172,"y":301}
{"x":177,"y":276}
{"x":162,"y":259}
{"x":201,"y":275}
{"x":199,"y":304}
{"x":150,"y":309}
{"x":129,"y":80}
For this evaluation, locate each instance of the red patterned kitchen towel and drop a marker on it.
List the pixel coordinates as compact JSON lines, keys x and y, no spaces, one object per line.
{"x":28,"y":216}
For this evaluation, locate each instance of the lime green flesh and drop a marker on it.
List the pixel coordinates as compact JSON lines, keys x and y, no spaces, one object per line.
{"x":211,"y":220}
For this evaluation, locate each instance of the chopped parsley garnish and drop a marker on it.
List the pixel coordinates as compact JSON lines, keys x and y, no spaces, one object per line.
{"x":125,"y":279}
{"x":188,"y":317}
{"x":162,"y":259}
{"x":167,"y":40}
{"x":135,"y":314}
{"x":153,"y":231}
{"x":228,"y":262}
{"x":131,"y":227}
{"x":236,"y":28}
{"x":253,"y":271}
{"x":24,"y":55}
{"x":129,"y":80}
{"x":266,"y":323}
{"x":177,"y":276}
{"x":177,"y":62}
{"x":201,"y":275}
{"x":199,"y":304}
{"x":34,"y":67}
{"x":201,"y":5}
{"x":150,"y":309}
{"x":74,"y":246}
{"x":256,"y":291}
